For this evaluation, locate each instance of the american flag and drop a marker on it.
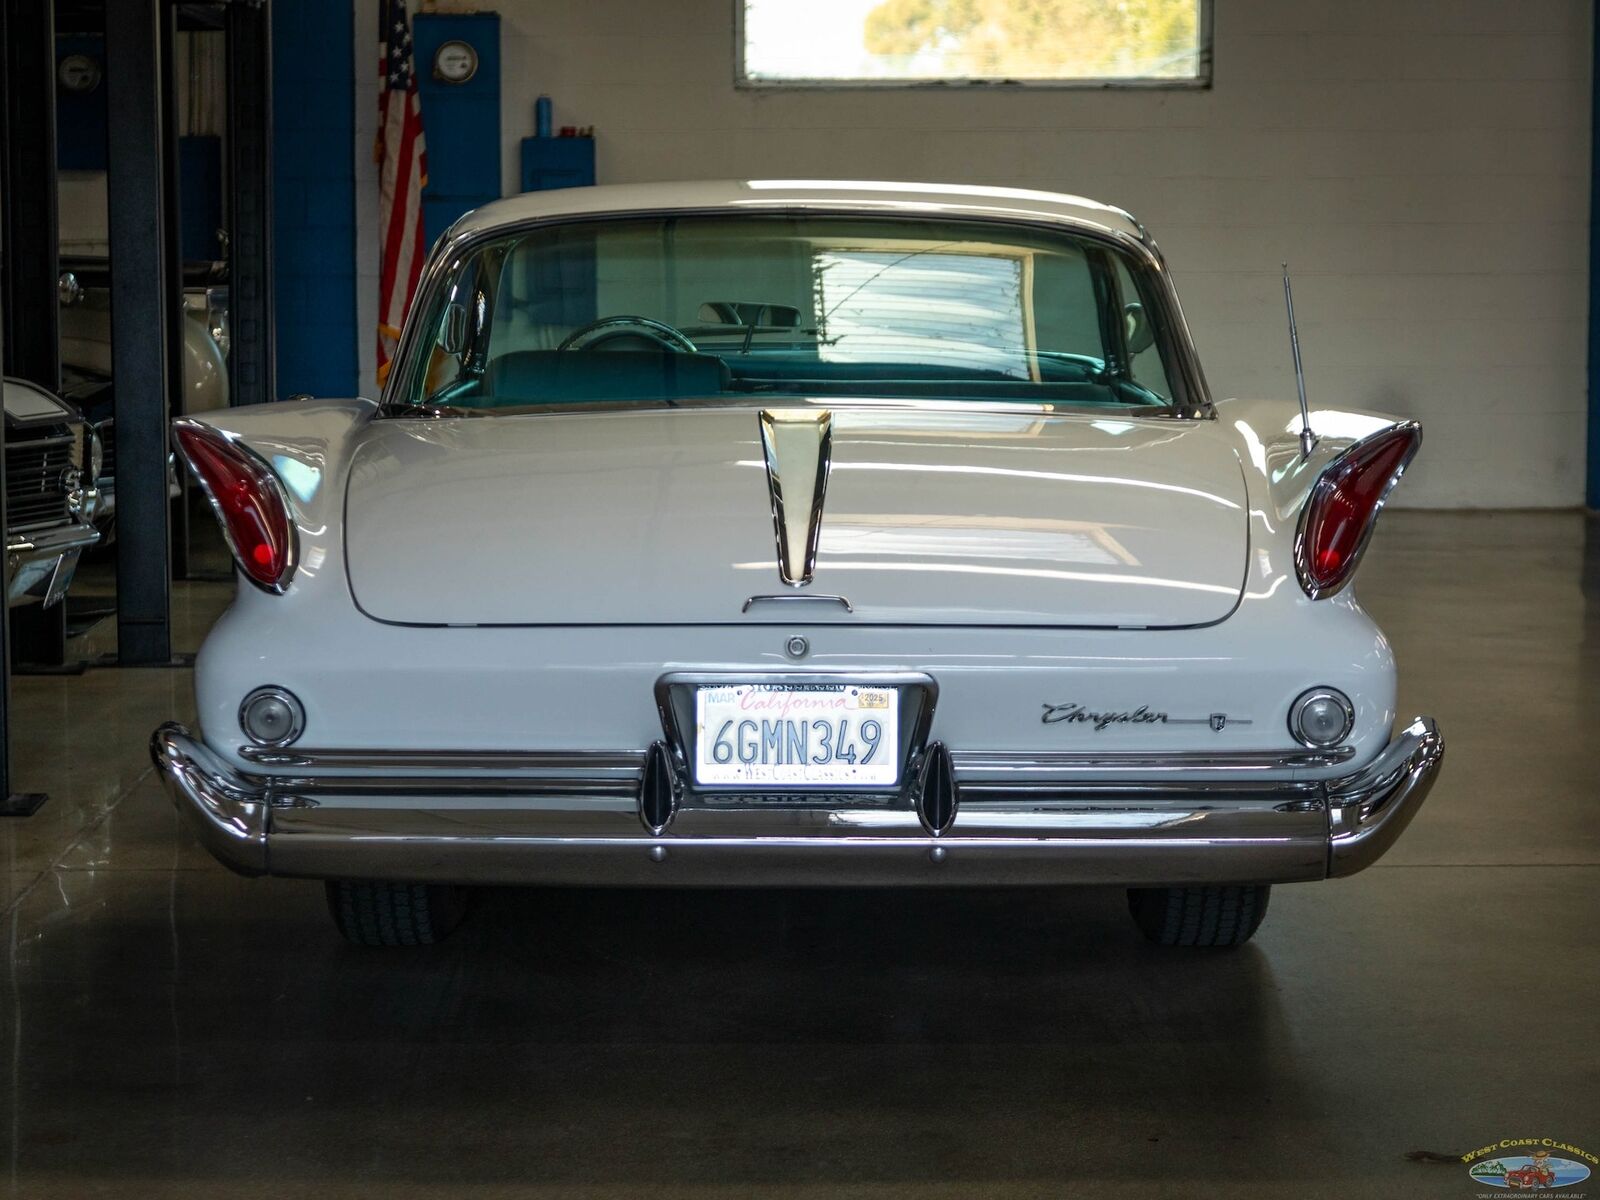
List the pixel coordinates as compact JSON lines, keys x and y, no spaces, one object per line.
{"x":402,"y":158}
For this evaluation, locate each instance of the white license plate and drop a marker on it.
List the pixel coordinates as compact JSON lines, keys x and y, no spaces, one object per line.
{"x":797,"y":735}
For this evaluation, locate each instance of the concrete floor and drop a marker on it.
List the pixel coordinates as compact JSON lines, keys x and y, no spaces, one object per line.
{"x":170,"y":1029}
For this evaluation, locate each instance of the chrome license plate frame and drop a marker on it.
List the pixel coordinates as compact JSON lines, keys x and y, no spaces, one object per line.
{"x":915,"y":694}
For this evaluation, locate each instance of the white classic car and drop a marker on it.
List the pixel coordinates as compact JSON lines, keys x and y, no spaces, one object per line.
{"x":84,"y":292}
{"x":797,"y":533}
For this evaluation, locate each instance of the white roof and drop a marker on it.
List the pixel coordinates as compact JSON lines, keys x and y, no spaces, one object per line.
{"x":747,"y":194}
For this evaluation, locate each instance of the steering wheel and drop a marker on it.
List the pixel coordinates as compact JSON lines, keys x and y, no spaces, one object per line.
{"x":610,"y":329}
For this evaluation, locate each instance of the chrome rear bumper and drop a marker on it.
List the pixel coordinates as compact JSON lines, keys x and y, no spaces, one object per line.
{"x":582,"y":826}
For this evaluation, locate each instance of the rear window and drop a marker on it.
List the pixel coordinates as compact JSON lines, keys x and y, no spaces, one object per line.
{"x":673,"y":309}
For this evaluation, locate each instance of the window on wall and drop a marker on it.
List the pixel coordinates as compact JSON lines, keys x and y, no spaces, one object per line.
{"x":1061,"y":43}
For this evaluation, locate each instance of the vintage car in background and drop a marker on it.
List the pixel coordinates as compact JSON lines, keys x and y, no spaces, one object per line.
{"x":51,"y":460}
{"x":800,"y":534}
{"x":84,"y":290}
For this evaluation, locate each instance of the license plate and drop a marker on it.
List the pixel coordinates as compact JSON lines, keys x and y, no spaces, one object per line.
{"x":797,"y":735}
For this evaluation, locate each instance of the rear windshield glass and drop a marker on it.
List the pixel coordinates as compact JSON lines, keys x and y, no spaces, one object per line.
{"x":678,"y":308}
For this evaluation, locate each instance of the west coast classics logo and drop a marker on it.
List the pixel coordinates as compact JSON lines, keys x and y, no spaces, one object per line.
{"x":1531,"y":1165}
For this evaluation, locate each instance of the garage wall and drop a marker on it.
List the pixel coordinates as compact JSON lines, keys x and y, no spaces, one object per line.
{"x":1424,"y":167}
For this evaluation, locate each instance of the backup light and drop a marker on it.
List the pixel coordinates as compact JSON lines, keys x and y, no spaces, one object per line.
{"x":272,"y":716}
{"x":1321,"y":717}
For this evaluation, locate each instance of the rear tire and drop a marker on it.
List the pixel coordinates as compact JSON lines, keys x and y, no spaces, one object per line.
{"x":379,"y":913}
{"x":1200,"y":916}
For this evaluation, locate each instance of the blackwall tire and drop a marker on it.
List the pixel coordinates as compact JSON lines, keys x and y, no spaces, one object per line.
{"x":1200,"y":916}
{"x":372,"y":913}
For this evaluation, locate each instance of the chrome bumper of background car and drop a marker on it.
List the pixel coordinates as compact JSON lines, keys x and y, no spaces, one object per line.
{"x":40,"y":563}
{"x":574,"y":819}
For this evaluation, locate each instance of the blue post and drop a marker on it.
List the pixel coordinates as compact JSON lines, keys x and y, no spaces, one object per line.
{"x":314,"y":196}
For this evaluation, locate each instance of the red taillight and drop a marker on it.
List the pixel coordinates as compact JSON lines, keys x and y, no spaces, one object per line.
{"x":1344,"y":505}
{"x":248,"y":502}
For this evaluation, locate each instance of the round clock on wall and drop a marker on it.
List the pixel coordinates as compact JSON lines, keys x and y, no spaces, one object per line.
{"x":455,"y":62}
{"x":79,"y":73}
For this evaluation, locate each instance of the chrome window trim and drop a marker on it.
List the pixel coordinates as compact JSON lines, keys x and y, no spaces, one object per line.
{"x":1301,"y":570}
{"x":1194,"y":402}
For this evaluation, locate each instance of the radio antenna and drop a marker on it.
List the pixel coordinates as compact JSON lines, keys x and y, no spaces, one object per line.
{"x":1308,"y":440}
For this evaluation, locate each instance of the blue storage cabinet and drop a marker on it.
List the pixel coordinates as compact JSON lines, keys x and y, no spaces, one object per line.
{"x":557,"y":162}
{"x":461,"y":121}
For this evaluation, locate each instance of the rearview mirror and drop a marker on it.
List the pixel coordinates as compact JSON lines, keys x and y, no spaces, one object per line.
{"x":1138,"y":331}
{"x":746,"y":313}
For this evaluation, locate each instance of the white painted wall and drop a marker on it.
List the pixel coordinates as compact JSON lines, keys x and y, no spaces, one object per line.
{"x":1423,"y":166}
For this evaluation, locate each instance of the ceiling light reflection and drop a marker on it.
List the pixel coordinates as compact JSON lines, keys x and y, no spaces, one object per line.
{"x":1184,"y":585}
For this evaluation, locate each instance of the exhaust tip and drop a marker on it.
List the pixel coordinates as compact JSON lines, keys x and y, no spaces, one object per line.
{"x":936,"y":791}
{"x":658,"y":790}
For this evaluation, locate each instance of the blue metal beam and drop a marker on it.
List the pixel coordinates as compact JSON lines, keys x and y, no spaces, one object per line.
{"x":314,"y":195}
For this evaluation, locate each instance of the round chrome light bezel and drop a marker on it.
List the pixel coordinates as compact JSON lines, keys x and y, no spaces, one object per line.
{"x":297,"y":716}
{"x":1312,"y":696}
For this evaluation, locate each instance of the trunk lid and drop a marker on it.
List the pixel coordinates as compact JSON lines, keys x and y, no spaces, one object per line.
{"x":951,"y":515}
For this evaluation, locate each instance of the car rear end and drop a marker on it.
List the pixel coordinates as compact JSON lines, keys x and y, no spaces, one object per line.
{"x":1036,"y":623}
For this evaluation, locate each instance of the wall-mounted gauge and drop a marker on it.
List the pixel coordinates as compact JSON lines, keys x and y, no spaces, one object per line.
{"x":79,"y":73}
{"x":455,"y":62}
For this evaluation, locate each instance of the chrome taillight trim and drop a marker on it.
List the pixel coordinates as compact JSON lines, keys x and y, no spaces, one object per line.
{"x":292,"y":557}
{"x":1324,"y":484}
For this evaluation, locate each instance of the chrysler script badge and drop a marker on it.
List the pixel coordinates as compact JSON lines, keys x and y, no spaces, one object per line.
{"x":798,"y":444}
{"x":1080,"y":714}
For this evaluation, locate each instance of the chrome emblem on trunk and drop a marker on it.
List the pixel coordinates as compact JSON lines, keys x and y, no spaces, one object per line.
{"x":1080,"y":714}
{"x":798,"y":444}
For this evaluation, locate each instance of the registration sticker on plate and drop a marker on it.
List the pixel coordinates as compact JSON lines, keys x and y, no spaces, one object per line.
{"x":797,"y":735}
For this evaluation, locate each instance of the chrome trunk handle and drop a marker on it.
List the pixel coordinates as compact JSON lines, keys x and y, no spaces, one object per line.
{"x":797,"y":597}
